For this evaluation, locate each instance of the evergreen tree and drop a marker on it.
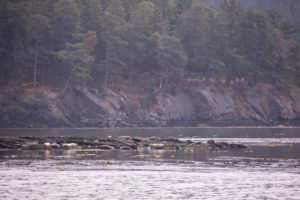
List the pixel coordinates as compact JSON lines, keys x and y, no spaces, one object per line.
{"x":197,"y":31}
{"x":78,"y":56}
{"x":144,"y":41}
{"x":114,"y":25}
{"x":66,"y":25}
{"x":90,"y":15}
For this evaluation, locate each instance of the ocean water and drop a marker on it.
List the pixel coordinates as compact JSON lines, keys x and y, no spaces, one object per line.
{"x":268,"y":169}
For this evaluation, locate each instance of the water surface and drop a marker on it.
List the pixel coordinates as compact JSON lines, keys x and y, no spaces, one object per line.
{"x":203,"y":132}
{"x":268,"y":169}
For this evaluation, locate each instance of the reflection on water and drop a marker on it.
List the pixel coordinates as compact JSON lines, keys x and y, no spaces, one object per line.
{"x":268,"y":169}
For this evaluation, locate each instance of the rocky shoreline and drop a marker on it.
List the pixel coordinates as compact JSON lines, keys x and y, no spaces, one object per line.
{"x":261,"y":105}
{"x":123,"y":143}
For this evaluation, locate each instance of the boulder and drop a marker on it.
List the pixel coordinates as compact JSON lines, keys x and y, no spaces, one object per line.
{"x":31,"y":145}
{"x":107,"y":147}
{"x":157,"y":146}
{"x":125,"y":148}
{"x":137,"y":139}
{"x":155,"y":138}
{"x":211,"y":142}
{"x":55,"y":145}
{"x":237,"y":146}
{"x":47,"y":144}
{"x":70,"y":145}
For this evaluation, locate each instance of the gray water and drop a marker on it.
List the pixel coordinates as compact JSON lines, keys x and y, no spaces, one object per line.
{"x":268,"y":169}
{"x":205,"y":132}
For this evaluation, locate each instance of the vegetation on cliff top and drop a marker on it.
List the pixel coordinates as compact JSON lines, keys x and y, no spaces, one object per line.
{"x":147,"y":44}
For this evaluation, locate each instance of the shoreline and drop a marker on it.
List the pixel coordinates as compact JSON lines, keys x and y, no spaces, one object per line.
{"x":163,"y":127}
{"x":110,"y":143}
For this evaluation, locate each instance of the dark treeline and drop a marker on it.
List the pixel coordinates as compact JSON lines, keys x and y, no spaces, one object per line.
{"x":104,"y":43}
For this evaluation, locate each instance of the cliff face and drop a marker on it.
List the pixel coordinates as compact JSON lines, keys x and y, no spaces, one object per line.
{"x":206,"y":106}
{"x":261,"y":105}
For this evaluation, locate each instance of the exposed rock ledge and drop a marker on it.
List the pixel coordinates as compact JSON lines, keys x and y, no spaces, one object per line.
{"x":123,"y":143}
{"x":194,"y":106}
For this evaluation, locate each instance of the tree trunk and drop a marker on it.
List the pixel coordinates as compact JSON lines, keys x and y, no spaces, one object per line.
{"x":130,"y":76}
{"x":115,"y":79}
{"x":2,"y":75}
{"x":35,"y":62}
{"x":167,"y":76}
{"x":160,"y":86}
{"x":130,"y":70}
{"x":66,"y":87}
{"x":106,"y":68}
{"x":130,"y":58}
{"x":43,"y":76}
{"x":69,"y":81}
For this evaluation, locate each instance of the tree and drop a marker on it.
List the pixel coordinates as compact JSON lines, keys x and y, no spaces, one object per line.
{"x":196,"y":28}
{"x":145,"y":41}
{"x":141,"y":26}
{"x":170,"y":56}
{"x":66,"y":30}
{"x":13,"y":40}
{"x":66,"y":22}
{"x":78,"y":57}
{"x":142,"y":18}
{"x":113,"y":27}
{"x":90,"y":15}
{"x":25,"y":29}
{"x":39,"y":26}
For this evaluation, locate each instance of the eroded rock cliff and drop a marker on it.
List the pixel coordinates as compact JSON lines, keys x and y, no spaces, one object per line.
{"x":194,"y":106}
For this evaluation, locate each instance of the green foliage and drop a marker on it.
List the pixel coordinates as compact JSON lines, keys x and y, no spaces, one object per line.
{"x":145,"y":41}
{"x":78,"y":56}
{"x":66,"y":23}
{"x":197,"y":36}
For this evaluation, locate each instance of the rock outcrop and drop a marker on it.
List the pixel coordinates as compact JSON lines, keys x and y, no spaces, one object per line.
{"x":194,"y":106}
{"x":110,"y":143}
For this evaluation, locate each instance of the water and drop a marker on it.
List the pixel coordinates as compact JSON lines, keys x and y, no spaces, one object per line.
{"x":268,"y":169}
{"x":226,"y":132}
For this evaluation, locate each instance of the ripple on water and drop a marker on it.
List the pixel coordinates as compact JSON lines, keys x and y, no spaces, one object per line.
{"x":91,"y":179}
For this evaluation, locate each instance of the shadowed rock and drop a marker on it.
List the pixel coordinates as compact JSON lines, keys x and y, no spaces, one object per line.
{"x":125,"y":148}
{"x":106,"y":147}
{"x":109,"y":143}
{"x":157,"y":146}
